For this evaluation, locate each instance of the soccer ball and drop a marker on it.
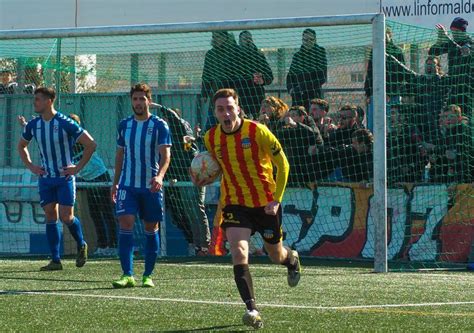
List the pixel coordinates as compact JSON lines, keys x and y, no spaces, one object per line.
{"x":205,"y":167}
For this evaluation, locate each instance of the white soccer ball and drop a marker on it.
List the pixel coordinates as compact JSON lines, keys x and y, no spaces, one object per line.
{"x":205,"y":167}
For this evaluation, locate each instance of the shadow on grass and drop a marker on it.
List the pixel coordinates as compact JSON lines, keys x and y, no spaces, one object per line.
{"x":46,"y":292}
{"x":210,"y":328}
{"x":16,"y":278}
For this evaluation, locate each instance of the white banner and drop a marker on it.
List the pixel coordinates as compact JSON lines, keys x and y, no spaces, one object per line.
{"x":428,"y":13}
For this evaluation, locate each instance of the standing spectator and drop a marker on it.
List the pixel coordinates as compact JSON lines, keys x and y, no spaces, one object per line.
{"x":451,"y":158}
{"x":347,"y":125}
{"x":394,"y":77}
{"x":255,"y":74}
{"x":405,"y":162}
{"x":460,"y":62}
{"x":100,"y":207}
{"x":429,"y":91}
{"x":33,"y":77}
{"x":7,"y":85}
{"x":185,"y":204}
{"x":220,"y":68}
{"x":308,"y":71}
{"x":299,"y":141}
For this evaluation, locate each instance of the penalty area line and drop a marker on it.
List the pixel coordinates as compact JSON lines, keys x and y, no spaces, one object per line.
{"x":269,"y":305}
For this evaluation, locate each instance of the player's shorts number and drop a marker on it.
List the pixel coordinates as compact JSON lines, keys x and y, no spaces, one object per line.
{"x":122,"y":194}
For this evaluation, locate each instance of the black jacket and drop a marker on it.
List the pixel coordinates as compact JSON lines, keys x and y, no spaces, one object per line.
{"x":251,"y":61}
{"x":461,"y":71}
{"x":404,"y":160}
{"x":221,"y":68}
{"x":459,"y":169}
{"x":308,"y":72}
{"x":394,"y":76}
{"x":181,"y":157}
{"x":295,"y":142}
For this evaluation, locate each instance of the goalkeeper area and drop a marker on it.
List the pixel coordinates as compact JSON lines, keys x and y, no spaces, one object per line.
{"x":200,"y":296}
{"x":312,"y":82}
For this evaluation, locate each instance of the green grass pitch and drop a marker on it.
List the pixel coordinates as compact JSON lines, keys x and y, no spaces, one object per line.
{"x":200,"y":296}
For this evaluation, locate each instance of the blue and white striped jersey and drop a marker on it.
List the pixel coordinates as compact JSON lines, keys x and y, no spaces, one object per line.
{"x":141,"y":141}
{"x":55,"y":139}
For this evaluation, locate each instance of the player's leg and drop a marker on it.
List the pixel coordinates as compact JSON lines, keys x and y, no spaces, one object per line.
{"x":151,"y":212}
{"x":48,"y":201}
{"x":151,"y":252}
{"x":238,"y":239}
{"x":196,"y":214}
{"x":126,"y":208}
{"x":66,"y":215}
{"x":53,"y":235}
{"x":287,"y":257}
{"x":125,"y":251}
{"x":269,"y":226}
{"x":66,"y":192}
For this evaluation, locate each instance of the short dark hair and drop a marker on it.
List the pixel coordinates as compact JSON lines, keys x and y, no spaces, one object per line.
{"x":224,"y":93}
{"x":141,"y":87}
{"x":364,"y":136}
{"x":300,"y":109}
{"x":310,"y":31}
{"x":349,"y":107}
{"x":323,"y":104}
{"x":46,"y":91}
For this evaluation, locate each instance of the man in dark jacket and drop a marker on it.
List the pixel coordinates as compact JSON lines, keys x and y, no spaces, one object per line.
{"x":221,"y":68}
{"x":297,"y":139}
{"x":451,"y":160}
{"x":429,"y":92}
{"x":185,"y":204}
{"x":347,"y":125}
{"x":460,"y":62}
{"x":7,"y":85}
{"x":354,"y":160}
{"x":308,"y":71}
{"x":405,"y":162}
{"x":254,"y":74}
{"x":394,"y":77}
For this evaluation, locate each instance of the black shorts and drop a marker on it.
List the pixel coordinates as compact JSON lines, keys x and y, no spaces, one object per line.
{"x":269,"y":226}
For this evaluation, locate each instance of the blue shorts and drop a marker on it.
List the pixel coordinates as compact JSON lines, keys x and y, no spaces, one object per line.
{"x":57,"y":190}
{"x":148,"y":205}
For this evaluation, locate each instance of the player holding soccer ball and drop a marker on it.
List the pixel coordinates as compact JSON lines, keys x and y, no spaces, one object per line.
{"x":250,"y":196}
{"x":142,"y":158}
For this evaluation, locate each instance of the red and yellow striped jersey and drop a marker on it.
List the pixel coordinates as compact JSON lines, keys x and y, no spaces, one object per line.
{"x":246,"y":157}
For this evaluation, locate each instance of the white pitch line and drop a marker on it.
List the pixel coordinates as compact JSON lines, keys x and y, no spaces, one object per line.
{"x":193,"y":301}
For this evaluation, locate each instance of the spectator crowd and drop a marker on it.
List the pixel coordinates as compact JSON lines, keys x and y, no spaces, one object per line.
{"x":428,"y":114}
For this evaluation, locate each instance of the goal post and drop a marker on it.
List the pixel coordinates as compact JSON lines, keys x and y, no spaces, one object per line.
{"x":171,"y":58}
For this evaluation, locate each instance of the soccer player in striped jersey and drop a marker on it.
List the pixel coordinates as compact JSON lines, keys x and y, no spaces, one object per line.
{"x":250,"y":196}
{"x":56,"y":134}
{"x":141,"y":161}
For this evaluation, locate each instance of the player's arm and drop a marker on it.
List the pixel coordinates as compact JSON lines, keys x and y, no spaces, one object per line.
{"x":117,"y":171}
{"x":164,"y":149}
{"x":22,"y":148}
{"x":278,"y":157}
{"x":165,"y":158}
{"x":90,"y":146}
{"x":25,"y":157}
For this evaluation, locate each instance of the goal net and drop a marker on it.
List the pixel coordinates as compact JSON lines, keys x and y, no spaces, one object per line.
{"x":312,"y":85}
